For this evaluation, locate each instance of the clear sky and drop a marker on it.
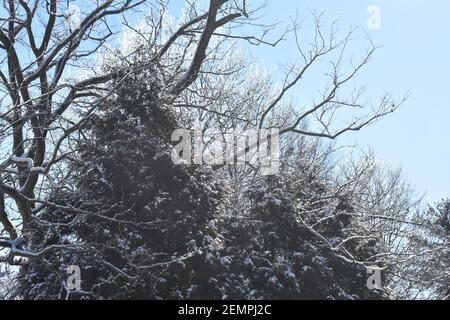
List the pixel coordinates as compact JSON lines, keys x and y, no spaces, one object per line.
{"x":415,"y":57}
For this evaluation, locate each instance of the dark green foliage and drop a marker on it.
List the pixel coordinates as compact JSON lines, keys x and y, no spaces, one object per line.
{"x":152,"y":230}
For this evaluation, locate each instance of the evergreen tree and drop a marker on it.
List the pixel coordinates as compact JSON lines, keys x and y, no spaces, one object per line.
{"x":146,"y":215}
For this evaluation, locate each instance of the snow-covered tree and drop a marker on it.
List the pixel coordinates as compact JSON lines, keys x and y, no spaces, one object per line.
{"x":427,"y":264}
{"x":87,"y":179}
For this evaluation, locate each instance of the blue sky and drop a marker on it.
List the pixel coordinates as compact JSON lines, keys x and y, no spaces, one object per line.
{"x":415,"y":57}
